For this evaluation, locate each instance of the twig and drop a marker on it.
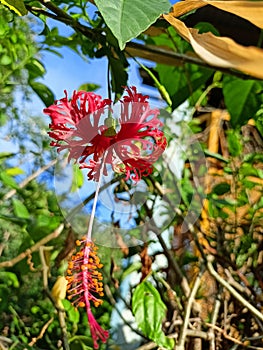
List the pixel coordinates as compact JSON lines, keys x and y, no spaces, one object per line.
{"x":152,"y":53}
{"x":42,"y":332}
{"x":5,"y":340}
{"x":60,"y":311}
{"x":235,"y":284}
{"x":173,"y":263}
{"x":6,"y":238}
{"x":30,"y":178}
{"x":147,"y":346}
{"x":188,"y":309}
{"x":65,"y":18}
{"x":61,"y":319}
{"x":211,"y":333}
{"x":234,"y":340}
{"x":239,"y":297}
{"x":196,"y":333}
{"x":155,"y":53}
{"x":34,"y":248}
{"x":63,"y":326}
{"x":173,"y":292}
{"x":45,"y":266}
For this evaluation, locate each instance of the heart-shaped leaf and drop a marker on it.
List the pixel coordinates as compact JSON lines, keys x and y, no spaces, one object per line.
{"x":127,"y":19}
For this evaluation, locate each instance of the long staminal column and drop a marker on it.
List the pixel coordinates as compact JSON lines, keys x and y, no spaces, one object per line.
{"x":84,"y":280}
{"x":85,"y":285}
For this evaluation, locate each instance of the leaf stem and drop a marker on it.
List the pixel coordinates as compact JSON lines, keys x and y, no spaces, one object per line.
{"x":159,"y":86}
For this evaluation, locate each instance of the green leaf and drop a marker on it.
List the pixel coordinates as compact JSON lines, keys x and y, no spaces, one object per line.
{"x":5,"y":60}
{"x":149,"y":311}
{"x":35,"y":69}
{"x":204,"y":27}
{"x":8,"y":180}
{"x":20,"y":209}
{"x":9,"y":278}
{"x":234,"y":143}
{"x":181,"y":83}
{"x":221,"y":188}
{"x":243,"y":99}
{"x":78,"y":178}
{"x":3,"y":119}
{"x":14,"y":171}
{"x":16,"y":5}
{"x":89,"y":87}
{"x":127,"y":19}
{"x":4,"y":155}
{"x":215,"y":155}
{"x":44,"y":93}
{"x":73,"y":313}
{"x":81,"y":342}
{"x":42,"y":226}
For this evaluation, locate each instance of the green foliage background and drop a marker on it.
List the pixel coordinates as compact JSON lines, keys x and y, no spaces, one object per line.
{"x":36,"y":240}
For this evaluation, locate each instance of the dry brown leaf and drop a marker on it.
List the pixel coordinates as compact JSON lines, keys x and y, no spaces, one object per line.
{"x":146,"y":261}
{"x":250,"y":10}
{"x":221,"y":51}
{"x":182,"y":7}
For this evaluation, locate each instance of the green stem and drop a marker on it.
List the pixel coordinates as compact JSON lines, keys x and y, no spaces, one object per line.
{"x":204,"y":94}
{"x":159,"y":86}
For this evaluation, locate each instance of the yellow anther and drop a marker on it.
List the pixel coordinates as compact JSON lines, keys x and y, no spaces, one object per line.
{"x":78,"y":242}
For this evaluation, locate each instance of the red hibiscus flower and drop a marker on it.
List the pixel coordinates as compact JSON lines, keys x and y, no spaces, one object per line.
{"x":129,"y":140}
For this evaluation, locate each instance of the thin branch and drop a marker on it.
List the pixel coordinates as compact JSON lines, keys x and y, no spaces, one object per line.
{"x":45,"y":266}
{"x":42,"y":332}
{"x":173,"y":263}
{"x":152,"y":53}
{"x":60,"y":310}
{"x":173,"y":292}
{"x":158,"y":54}
{"x":183,"y":333}
{"x":30,"y":178}
{"x":234,"y":340}
{"x":236,"y":295}
{"x":196,"y":333}
{"x":61,"y":319}
{"x":61,"y":16}
{"x":211,"y":333}
{"x":34,"y":248}
{"x":147,"y":346}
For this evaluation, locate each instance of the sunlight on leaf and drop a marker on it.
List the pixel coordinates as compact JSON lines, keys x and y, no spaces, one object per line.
{"x":127,"y":19}
{"x":250,"y":10}
{"x":221,"y":51}
{"x":16,"y":5}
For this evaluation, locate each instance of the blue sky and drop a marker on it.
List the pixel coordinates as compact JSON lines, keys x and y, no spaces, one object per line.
{"x":72,"y":71}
